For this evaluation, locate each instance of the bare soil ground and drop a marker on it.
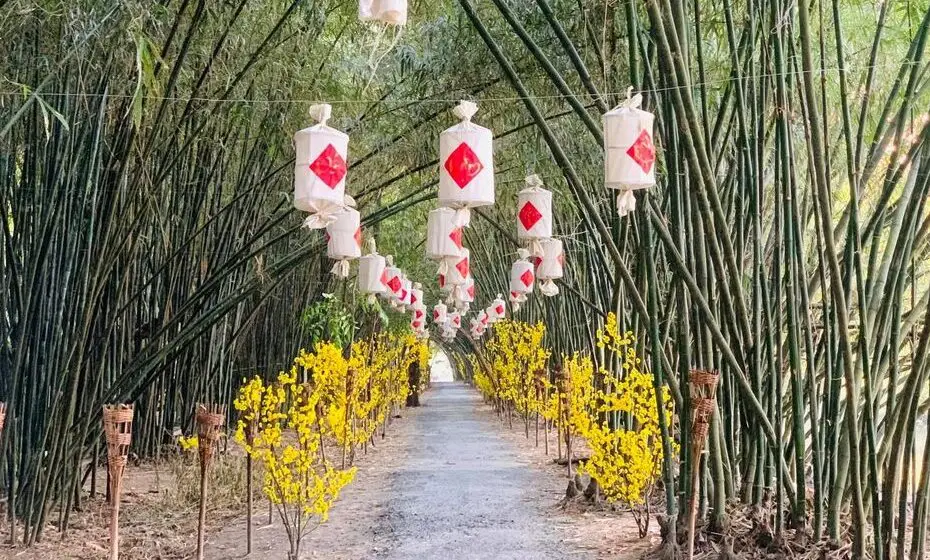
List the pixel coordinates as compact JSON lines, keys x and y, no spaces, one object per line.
{"x":158,"y":513}
{"x":449,"y":481}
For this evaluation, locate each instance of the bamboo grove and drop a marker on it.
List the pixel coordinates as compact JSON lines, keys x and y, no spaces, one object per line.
{"x":150,"y":252}
{"x":785,"y":246}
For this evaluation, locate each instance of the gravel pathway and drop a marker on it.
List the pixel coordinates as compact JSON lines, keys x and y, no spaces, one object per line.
{"x":444,"y":484}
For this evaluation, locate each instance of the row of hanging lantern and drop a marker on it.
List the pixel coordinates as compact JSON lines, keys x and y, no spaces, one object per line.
{"x":466,"y":181}
{"x":320,"y":190}
{"x":534,"y":229}
{"x":629,"y":164}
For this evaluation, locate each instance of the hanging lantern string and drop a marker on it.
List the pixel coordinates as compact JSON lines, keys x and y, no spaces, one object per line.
{"x":820,"y":71}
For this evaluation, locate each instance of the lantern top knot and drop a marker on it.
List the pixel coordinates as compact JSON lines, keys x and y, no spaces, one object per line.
{"x":389,"y":260}
{"x":321,"y":112}
{"x":523,"y":254}
{"x":465,"y":110}
{"x":533,"y":181}
{"x":373,"y":247}
{"x":417,"y":286}
{"x":348,"y":201}
{"x":631,"y":101}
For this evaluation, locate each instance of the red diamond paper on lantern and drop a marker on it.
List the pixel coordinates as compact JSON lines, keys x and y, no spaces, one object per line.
{"x":418,"y":313}
{"x":471,"y":291}
{"x":329,"y":166}
{"x":536,"y":261}
{"x":358,"y":237}
{"x":463,"y":165}
{"x":529,"y":215}
{"x":514,"y":295}
{"x":643,"y":151}
{"x":327,"y":236}
{"x":499,"y":310}
{"x":384,"y":278}
{"x":403,"y":295}
{"x":435,"y":315}
{"x":561,"y":259}
{"x":442,"y":281}
{"x":394,"y":284}
{"x":527,"y":278}
{"x":456,"y":237}
{"x":462,"y":267}
{"x":413,"y":299}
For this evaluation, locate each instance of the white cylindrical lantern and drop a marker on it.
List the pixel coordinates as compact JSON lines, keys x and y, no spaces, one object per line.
{"x":344,"y":240}
{"x":534,"y":213}
{"x":391,"y":12}
{"x":521,"y":274}
{"x":551,"y":266}
{"x":372,"y":272}
{"x":419,"y":313}
{"x":498,"y":309}
{"x":443,"y":285}
{"x":394,"y":280}
{"x":458,"y":269}
{"x":516,"y":300}
{"x":320,"y":169}
{"x":466,"y":164}
{"x":465,"y":294}
{"x":405,"y":293}
{"x":629,"y":151}
{"x":440,"y":313}
{"x":443,"y":236}
{"x":477,"y":328}
{"x":482,"y":317}
{"x":416,"y":295}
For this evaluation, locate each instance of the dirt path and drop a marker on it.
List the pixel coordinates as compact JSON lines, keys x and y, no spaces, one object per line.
{"x":446,"y":483}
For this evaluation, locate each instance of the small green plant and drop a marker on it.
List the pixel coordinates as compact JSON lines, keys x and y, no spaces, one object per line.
{"x":327,"y":320}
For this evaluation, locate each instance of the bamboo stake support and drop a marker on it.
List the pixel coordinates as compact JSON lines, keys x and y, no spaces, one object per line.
{"x":117,"y":427}
{"x":2,"y":422}
{"x":703,"y":391}
{"x":249,"y":439}
{"x":210,"y":419}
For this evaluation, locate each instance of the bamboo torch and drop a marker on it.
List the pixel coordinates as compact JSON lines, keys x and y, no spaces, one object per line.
{"x":117,"y":427}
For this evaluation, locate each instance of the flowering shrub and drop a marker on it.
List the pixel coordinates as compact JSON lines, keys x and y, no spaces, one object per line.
{"x":623,"y":429}
{"x":614,"y":412}
{"x":188,"y":443}
{"x":516,"y":380}
{"x":284,"y":423}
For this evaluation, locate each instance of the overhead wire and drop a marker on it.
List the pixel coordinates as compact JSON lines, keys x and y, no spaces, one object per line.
{"x":308,"y":101}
